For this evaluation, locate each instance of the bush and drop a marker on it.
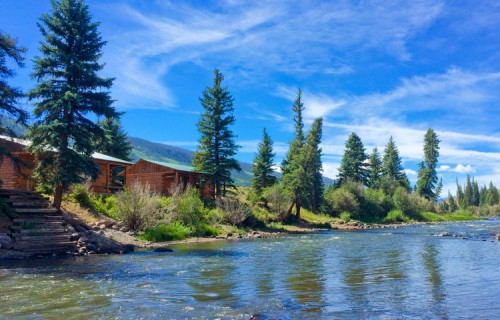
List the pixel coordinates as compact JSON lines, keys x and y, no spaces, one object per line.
{"x":396,"y":216}
{"x":341,"y":200}
{"x":166,"y":232}
{"x":82,"y":196}
{"x":376,"y":204}
{"x":138,"y":206}
{"x":205,"y":230}
{"x":187,"y":208}
{"x":345,"y":216}
{"x":279,"y":199}
{"x":235,"y":212}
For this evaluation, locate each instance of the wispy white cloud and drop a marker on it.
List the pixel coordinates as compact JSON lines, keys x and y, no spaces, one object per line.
{"x":410,"y":172}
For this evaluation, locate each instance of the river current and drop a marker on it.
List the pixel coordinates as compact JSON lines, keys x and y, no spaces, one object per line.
{"x":404,"y":273}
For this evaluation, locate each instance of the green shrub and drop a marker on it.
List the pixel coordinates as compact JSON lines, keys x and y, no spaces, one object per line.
{"x":235,"y":212}
{"x":165,"y":232}
{"x":205,"y":230}
{"x":82,"y":196}
{"x":345,"y":216}
{"x":376,"y":204}
{"x":396,"y":216}
{"x":279,"y":200}
{"x":342,"y":200}
{"x":138,"y":206}
{"x":187,"y":208}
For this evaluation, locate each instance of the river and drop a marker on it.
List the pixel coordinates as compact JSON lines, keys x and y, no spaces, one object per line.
{"x":404,"y":273}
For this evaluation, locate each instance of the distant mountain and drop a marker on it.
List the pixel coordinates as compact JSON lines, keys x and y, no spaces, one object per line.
{"x":144,"y":149}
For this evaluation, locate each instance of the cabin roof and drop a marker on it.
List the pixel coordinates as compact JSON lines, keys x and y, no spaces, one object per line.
{"x":95,"y":155}
{"x":175,"y":166}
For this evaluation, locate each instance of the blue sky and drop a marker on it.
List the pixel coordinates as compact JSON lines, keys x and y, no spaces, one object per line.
{"x":378,"y":68}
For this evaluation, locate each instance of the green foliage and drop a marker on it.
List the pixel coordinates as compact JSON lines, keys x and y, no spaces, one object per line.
{"x":395,"y":216}
{"x":343,"y":200}
{"x":392,"y":169}
{"x":166,"y":232}
{"x":138,"y":206}
{"x":353,"y":166}
{"x":262,"y":170}
{"x":114,"y":142}
{"x":81,"y":195}
{"x":427,"y":175}
{"x":314,"y":166}
{"x":376,"y":204}
{"x":216,"y":148}
{"x":345,"y":216}
{"x":234,"y":211}
{"x":187,"y":208}
{"x":68,"y":90}
{"x":279,"y":199}
{"x":375,"y":169}
{"x":10,"y":96}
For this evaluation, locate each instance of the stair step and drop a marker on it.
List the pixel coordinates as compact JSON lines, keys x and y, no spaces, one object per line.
{"x":23,"y":245}
{"x":29,"y":204}
{"x":55,"y":229}
{"x":37,"y":220}
{"x":35,"y":210}
{"x":46,"y":238}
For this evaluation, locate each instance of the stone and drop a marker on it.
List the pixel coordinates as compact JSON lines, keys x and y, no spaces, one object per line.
{"x":95,"y":228}
{"x":5,"y":241}
{"x":102,"y":226}
{"x":83,"y":239}
{"x":163,"y":249}
{"x":75,"y":236}
{"x":115,"y":227}
{"x":124,"y":229}
{"x":498,"y":236}
{"x":444,"y":234}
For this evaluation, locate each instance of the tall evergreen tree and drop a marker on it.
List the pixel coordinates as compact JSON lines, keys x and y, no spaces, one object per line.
{"x":468,"y":192}
{"x":115,"y":142}
{"x":427,"y":175}
{"x":294,"y":176}
{"x":375,"y":169}
{"x":438,"y":190}
{"x":353,"y":166}
{"x":68,"y":90}
{"x":476,"y":196}
{"x":493,"y":196}
{"x":483,"y":196}
{"x":392,"y":169}
{"x":314,"y":166}
{"x":263,"y":173}
{"x":452,"y":205}
{"x":461,"y":197}
{"x":9,"y":96}
{"x":216,"y":148}
{"x":299,"y":139}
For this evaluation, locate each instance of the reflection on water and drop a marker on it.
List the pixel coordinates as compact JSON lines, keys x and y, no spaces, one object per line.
{"x":395,"y":274}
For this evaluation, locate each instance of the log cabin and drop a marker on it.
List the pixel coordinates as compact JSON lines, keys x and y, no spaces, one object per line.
{"x":18,"y":173}
{"x":162,"y":177}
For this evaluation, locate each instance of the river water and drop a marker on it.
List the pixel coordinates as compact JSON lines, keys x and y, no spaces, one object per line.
{"x":404,"y":273}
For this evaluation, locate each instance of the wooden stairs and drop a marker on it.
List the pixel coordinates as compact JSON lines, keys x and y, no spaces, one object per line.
{"x":36,"y":227}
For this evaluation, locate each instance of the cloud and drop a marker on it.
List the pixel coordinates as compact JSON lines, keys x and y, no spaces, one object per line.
{"x":459,"y":168}
{"x":410,"y":172}
{"x":259,"y":37}
{"x":331,"y":169}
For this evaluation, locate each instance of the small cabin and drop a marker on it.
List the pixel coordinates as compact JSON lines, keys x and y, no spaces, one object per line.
{"x":19,"y":174}
{"x":163,"y":177}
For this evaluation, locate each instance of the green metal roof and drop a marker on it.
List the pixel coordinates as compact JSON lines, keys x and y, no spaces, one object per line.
{"x":175,"y":166}
{"x":100,"y":156}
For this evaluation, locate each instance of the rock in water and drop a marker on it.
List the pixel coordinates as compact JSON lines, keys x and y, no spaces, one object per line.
{"x":163,"y":250}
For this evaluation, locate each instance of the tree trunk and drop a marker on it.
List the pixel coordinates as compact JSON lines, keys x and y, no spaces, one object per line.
{"x":297,"y":210}
{"x":58,"y":196}
{"x":289,"y":211}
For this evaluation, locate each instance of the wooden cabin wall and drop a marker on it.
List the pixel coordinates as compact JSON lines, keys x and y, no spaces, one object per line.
{"x":12,"y":178}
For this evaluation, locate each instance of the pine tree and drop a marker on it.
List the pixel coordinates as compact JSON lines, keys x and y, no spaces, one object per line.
{"x":314,"y":166}
{"x":493,"y":196}
{"x":476,"y":196}
{"x":115,"y":142}
{"x":68,"y":90}
{"x":392,"y":169}
{"x":299,"y":140}
{"x":263,"y":173}
{"x":353,"y":166}
{"x":9,"y":96}
{"x":452,"y":205}
{"x":375,"y":169}
{"x":294,"y":176}
{"x":461,"y":197}
{"x":216,"y":148}
{"x":427,"y":175}
{"x":483,"y":196}
{"x":468,"y":193}
{"x":438,"y":190}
